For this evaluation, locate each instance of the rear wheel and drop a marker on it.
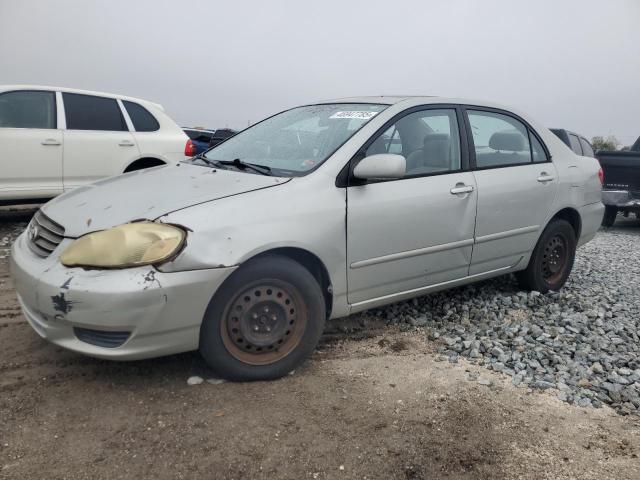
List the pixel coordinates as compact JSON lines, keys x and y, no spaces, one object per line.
{"x":610,"y":214}
{"x":552,"y":259}
{"x":264,"y":321}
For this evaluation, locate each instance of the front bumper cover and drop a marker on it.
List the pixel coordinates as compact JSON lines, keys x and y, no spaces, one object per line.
{"x":162,"y":311}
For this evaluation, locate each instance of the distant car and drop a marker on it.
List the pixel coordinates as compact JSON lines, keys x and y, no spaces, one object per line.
{"x":55,"y":139}
{"x":621,"y":191}
{"x":580,"y":145}
{"x":200,"y":139}
{"x":318,"y":212}
{"x":221,"y":135}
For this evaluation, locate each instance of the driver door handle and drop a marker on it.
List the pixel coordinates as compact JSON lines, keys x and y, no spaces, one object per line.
{"x":50,"y":141}
{"x":126,"y":143}
{"x":461,"y":188}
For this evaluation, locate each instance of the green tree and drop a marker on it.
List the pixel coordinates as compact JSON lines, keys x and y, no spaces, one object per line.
{"x":605,"y":143}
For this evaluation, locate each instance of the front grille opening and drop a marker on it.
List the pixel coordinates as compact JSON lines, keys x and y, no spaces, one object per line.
{"x":101,"y":338}
{"x":44,"y":235}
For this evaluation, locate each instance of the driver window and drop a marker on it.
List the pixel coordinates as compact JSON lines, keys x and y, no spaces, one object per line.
{"x":428,"y":140}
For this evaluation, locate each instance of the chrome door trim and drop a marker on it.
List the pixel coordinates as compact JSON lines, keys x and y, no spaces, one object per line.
{"x":507,"y":233}
{"x":436,"y":286}
{"x":411,"y":253}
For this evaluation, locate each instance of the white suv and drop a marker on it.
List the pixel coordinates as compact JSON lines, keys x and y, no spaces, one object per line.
{"x":55,"y":139}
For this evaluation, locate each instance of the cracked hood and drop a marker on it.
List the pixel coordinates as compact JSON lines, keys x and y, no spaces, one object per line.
{"x":148,"y":194}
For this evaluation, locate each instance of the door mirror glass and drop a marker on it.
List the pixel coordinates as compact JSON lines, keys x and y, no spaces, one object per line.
{"x":381,"y":166}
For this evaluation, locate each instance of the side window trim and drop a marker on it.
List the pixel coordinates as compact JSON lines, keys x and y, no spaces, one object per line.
{"x":346,"y":174}
{"x":530,"y":130}
{"x":125,"y":115}
{"x":60,"y":113}
{"x":55,"y":107}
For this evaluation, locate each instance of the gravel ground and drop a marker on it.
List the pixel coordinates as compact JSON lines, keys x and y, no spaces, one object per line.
{"x":583,"y":341}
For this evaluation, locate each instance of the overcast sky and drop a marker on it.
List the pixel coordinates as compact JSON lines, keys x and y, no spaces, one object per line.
{"x":572,"y":63}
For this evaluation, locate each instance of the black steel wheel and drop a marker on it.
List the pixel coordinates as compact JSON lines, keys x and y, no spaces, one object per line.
{"x":552,"y":259}
{"x":264,"y":321}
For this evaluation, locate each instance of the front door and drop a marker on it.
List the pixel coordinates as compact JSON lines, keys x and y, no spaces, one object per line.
{"x":517,"y":184}
{"x":30,"y":145}
{"x":416,"y":231}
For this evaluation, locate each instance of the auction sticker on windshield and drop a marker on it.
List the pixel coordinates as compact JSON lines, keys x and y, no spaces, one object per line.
{"x":354,"y":114}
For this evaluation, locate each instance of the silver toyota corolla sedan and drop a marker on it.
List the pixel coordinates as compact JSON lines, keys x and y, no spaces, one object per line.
{"x":314,"y":213}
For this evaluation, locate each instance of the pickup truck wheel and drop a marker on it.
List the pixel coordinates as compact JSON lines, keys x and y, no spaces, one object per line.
{"x":552,"y":259}
{"x":610,"y":214}
{"x":264,"y":321}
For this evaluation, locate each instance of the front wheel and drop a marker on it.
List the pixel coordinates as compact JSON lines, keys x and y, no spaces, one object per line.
{"x":264,"y":321}
{"x":609,"y":218}
{"x":552,"y":259}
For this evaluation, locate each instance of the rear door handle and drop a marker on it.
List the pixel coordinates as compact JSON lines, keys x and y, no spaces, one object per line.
{"x":50,"y":141}
{"x":126,"y":143}
{"x":545,"y":177}
{"x":461,"y":188}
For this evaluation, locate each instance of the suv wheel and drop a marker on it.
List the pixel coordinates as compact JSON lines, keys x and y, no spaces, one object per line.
{"x":264,"y":321}
{"x":552,"y":259}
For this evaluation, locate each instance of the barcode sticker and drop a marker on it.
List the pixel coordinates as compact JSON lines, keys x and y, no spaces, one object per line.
{"x":354,"y":114}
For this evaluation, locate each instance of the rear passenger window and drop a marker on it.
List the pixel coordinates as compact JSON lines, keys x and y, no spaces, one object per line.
{"x":539,"y":155}
{"x":28,"y":109}
{"x":142,"y":119}
{"x":86,"y":112}
{"x":587,"y":151}
{"x":499,"y":140}
{"x":575,"y":144}
{"x":428,"y":140}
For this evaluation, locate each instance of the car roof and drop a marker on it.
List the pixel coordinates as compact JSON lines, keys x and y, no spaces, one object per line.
{"x":8,"y":88}
{"x":417,"y":100}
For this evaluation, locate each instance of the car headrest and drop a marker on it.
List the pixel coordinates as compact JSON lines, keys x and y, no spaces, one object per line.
{"x":510,"y":141}
{"x":436,"y":150}
{"x":431,"y":138}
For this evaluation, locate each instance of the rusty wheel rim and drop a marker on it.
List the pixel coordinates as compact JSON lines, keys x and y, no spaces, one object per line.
{"x":554,"y":258}
{"x":264,"y":323}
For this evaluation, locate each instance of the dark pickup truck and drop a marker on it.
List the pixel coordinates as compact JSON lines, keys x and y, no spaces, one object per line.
{"x":621,"y":188}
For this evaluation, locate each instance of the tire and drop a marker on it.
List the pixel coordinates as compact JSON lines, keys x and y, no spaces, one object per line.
{"x":609,"y":218}
{"x":264,"y":321}
{"x":552,"y":259}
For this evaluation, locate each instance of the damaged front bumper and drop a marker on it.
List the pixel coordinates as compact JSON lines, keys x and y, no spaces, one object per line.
{"x":621,"y":198}
{"x":124,"y":314}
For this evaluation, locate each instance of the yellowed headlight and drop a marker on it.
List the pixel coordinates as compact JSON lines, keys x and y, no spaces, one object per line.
{"x":129,"y":245}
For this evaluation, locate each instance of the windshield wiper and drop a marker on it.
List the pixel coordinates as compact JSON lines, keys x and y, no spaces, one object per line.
{"x":202,"y":157}
{"x":240,"y":165}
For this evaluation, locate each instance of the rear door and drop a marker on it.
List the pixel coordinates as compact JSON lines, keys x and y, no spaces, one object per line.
{"x":416,"y":231}
{"x":30,"y":145}
{"x":97,"y":140}
{"x":517,"y":184}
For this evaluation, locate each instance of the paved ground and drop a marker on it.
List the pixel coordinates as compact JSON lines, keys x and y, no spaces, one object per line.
{"x":372,"y":403}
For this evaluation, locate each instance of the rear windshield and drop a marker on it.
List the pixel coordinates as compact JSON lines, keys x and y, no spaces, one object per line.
{"x":294,"y":142}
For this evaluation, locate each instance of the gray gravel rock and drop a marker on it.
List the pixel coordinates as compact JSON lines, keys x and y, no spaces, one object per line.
{"x":583,"y":340}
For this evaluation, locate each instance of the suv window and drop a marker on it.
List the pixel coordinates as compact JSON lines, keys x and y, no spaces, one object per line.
{"x":587,"y":151}
{"x":575,"y":144}
{"x":86,"y":112}
{"x":141,"y":118}
{"x":28,"y":109}
{"x":499,"y":140}
{"x":428,"y":140}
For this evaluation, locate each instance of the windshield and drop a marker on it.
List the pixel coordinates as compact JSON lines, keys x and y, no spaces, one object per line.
{"x":294,"y":142}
